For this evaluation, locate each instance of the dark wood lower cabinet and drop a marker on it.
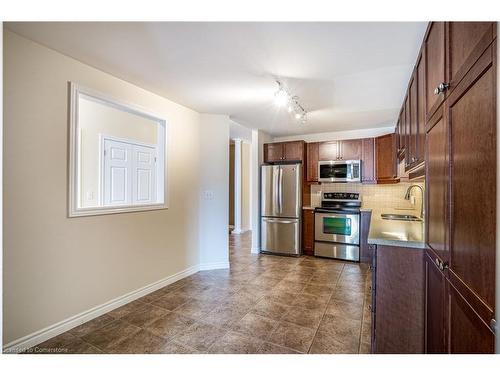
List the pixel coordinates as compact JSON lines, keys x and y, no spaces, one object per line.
{"x":435,"y":302}
{"x":399,"y":300}
{"x":468,"y":333}
{"x":365,"y":250}
{"x":452,"y":324}
{"x":308,"y":232}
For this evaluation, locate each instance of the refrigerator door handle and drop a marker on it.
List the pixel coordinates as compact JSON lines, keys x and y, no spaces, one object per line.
{"x":280,"y":190}
{"x":277,"y":190}
{"x":281,"y":221}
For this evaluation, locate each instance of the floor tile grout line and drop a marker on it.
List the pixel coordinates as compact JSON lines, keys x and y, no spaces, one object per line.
{"x":326,"y":307}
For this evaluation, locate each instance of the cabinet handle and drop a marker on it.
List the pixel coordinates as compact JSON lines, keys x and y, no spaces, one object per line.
{"x":493,"y":325}
{"x":370,"y":307}
{"x":442,"y":87}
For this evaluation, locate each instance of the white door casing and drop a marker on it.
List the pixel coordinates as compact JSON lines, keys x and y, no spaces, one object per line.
{"x":144,"y":175}
{"x":128,"y":173}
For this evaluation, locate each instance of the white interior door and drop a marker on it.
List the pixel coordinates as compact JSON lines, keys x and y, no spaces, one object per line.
{"x":117,"y":182}
{"x":129,"y":173}
{"x":144,"y":175}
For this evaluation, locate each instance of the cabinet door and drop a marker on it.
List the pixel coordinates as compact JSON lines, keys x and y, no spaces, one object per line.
{"x":398,"y":134}
{"x":413,"y":100}
{"x":308,"y":232}
{"x":468,"y":333}
{"x":329,"y":150}
{"x":435,"y":303}
{"x":385,"y":158}
{"x":350,"y":149}
{"x":403,"y":130}
{"x":420,"y":130}
{"x":368,"y":160}
{"x":434,"y":66}
{"x":365,"y":250}
{"x":293,"y":151}
{"x":471,"y":110}
{"x":437,"y":180}
{"x":273,"y":152}
{"x":312,"y":161}
{"x":399,"y":300}
{"x":466,"y":42}
{"x":408,"y":151}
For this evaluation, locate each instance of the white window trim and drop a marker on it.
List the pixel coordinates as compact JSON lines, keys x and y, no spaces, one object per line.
{"x":74,"y":154}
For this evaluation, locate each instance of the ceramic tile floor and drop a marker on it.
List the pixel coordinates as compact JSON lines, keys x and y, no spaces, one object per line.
{"x":263,"y":304}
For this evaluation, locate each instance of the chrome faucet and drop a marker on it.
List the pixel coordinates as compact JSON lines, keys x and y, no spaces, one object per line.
{"x":407,"y":197}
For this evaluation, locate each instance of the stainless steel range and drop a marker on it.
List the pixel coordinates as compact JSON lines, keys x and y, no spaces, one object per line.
{"x":336,"y":232}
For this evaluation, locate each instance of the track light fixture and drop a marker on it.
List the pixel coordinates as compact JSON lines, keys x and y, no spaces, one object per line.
{"x":282,"y":97}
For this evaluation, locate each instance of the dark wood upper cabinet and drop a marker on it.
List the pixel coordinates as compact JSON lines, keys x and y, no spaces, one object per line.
{"x":413,"y":100}
{"x":420,"y":132}
{"x":402,"y":136}
{"x":329,"y":150}
{"x":434,"y":52}
{"x":312,"y":161}
{"x":273,"y":152}
{"x":294,"y":151}
{"x":407,"y":131}
{"x":284,"y":151}
{"x":350,"y":149}
{"x":471,"y":116}
{"x":340,"y":150}
{"x":386,"y":158}
{"x":368,"y":161}
{"x":398,"y":135}
{"x":437,"y":181}
{"x":435,"y":301}
{"x":466,"y":43}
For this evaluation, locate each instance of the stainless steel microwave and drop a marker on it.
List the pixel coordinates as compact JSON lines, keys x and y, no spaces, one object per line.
{"x":339,"y":171}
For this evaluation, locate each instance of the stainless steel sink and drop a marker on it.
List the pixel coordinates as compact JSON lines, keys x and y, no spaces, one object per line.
{"x":400,"y":217}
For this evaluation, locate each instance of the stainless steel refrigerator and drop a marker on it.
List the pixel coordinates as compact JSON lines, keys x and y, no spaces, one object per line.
{"x":281,"y":207}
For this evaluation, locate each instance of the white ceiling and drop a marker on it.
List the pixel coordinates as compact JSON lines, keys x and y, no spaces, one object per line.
{"x":348,"y":75}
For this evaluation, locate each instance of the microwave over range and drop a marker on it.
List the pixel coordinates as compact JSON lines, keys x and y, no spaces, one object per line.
{"x":339,"y":171}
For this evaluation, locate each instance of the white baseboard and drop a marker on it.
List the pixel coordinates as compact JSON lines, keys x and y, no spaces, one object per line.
{"x":47,"y":333}
{"x":213,"y":266}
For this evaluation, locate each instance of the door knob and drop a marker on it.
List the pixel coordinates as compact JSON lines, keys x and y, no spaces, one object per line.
{"x":442,"y":87}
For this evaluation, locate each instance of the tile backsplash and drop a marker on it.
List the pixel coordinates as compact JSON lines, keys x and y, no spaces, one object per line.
{"x":376,"y":197}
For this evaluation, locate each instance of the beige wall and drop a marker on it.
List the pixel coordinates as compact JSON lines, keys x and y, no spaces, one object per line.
{"x":96,"y":119}
{"x":245,"y":186}
{"x":56,"y":267}
{"x":214,"y":179}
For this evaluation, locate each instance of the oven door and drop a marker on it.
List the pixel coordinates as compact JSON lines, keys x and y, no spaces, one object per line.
{"x":336,"y":227}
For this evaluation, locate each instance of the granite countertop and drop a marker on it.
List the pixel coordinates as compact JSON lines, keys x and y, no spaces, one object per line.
{"x":396,"y":232}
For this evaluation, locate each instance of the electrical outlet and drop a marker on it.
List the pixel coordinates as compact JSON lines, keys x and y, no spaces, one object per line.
{"x":208,"y":195}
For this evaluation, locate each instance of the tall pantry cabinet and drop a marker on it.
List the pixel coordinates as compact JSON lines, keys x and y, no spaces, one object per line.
{"x":460,"y":112}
